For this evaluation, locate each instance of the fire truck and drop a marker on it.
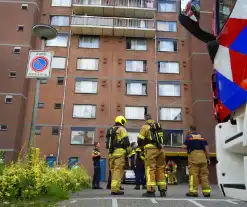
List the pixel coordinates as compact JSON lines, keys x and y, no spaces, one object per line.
{"x":227,"y":48}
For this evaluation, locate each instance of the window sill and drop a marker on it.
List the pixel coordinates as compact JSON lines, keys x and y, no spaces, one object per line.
{"x":168,"y":51}
{"x":82,"y":118}
{"x":136,"y":95}
{"x":88,"y":48}
{"x":168,"y":73}
{"x":85,"y":70}
{"x":81,"y":144}
{"x":137,"y":50}
{"x":86,"y":93}
{"x":171,"y":96}
{"x":57,"y":46}
{"x":135,"y":72}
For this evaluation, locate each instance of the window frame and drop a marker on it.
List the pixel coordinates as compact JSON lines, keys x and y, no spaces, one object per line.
{"x":17,"y":48}
{"x":57,"y":107}
{"x":170,"y":83}
{"x":144,"y":63}
{"x":41,"y":104}
{"x":179,"y":72}
{"x":135,"y":38}
{"x":60,"y":78}
{"x":59,"y":57}
{"x":171,"y":107}
{"x":39,"y":130}
{"x":84,"y":58}
{"x":177,"y":131}
{"x":129,"y":81}
{"x":78,"y":79}
{"x":11,"y":76}
{"x":167,"y":22}
{"x":60,"y":34}
{"x":82,"y":129}
{"x":59,"y":16}
{"x":52,"y":131}
{"x":171,"y":39}
{"x":145,"y":112}
{"x":170,"y":1}
{"x":92,"y":36}
{"x":84,"y":105}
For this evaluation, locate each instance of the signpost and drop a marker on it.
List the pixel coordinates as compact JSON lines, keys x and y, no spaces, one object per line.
{"x":39,"y":64}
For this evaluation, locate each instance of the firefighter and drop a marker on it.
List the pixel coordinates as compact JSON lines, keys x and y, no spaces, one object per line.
{"x":171,"y":169}
{"x":132,"y":157}
{"x":118,"y":144}
{"x":198,"y":159}
{"x":96,"y":164}
{"x":140,"y":169}
{"x":154,"y":156}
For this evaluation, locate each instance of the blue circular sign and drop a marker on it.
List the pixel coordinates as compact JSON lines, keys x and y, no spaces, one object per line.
{"x":39,"y":64}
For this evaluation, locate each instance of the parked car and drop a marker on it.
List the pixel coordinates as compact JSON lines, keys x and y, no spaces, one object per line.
{"x":129,"y":177}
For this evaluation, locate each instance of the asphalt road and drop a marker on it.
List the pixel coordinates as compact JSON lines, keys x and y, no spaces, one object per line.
{"x":132,"y":198}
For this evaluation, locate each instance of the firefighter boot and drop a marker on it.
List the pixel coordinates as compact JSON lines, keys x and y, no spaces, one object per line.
{"x":137,"y":187}
{"x":163,"y":193}
{"x":190,"y":194}
{"x":144,"y":187}
{"x":148,"y":194}
{"x":206,"y":194}
{"x":117,"y":193}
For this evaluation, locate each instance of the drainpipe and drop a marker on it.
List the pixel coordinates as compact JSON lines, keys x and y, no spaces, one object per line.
{"x":156,"y":78}
{"x":64,"y":97}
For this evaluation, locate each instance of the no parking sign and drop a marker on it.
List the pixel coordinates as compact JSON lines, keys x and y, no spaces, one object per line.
{"x":39,"y":64}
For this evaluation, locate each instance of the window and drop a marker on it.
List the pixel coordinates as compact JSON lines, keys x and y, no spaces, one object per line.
{"x":41,"y":105}
{"x":82,"y":136}
{"x":136,"y":88}
{"x":167,"y":45}
{"x":133,"y":136}
{"x":167,"y":7}
{"x":72,"y":161}
{"x":169,"y":89}
{"x":87,"y":64}
{"x":65,"y":3}
{"x":12,"y":74}
{"x":166,"y":26}
{"x":60,"y":80}
{"x":57,"y":106}
{"x":136,"y":44}
{"x":8,"y":99}
{"x":58,"y":62}
{"x":225,"y":10}
{"x":38,"y":130}
{"x":135,"y":112}
{"x":86,"y":86}
{"x":84,"y":111}
{"x":55,"y":131}
{"x":60,"y":41}
{"x":24,"y":6}
{"x":173,"y":138}
{"x":3,"y":127}
{"x":168,"y":67}
{"x":43,"y":81}
{"x":59,"y":20}
{"x":20,"y":28}
{"x":88,"y":42}
{"x":171,"y":114}
{"x":138,"y":66}
{"x":17,"y":50}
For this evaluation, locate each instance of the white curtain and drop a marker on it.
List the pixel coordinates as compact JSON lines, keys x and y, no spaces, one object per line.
{"x":167,"y":7}
{"x":170,"y":114}
{"x":169,"y":90}
{"x":162,"y":26}
{"x":86,"y":86}
{"x":166,"y":46}
{"x":58,"y":62}
{"x":60,"y":21}
{"x":89,"y":42}
{"x":134,"y":89}
{"x":138,"y":45}
{"x":66,"y":3}
{"x":84,"y":111}
{"x":169,"y":67}
{"x":134,"y":112}
{"x":87,"y":64}
{"x":59,"y":41}
{"x":135,"y":65}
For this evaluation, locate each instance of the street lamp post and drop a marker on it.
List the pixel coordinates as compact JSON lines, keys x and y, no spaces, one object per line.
{"x":44,"y":32}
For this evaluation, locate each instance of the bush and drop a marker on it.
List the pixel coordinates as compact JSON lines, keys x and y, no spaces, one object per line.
{"x":33,"y":179}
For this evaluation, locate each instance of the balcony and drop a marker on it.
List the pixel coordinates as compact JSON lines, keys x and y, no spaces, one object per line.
{"x":111,"y":8}
{"x":113,"y":26}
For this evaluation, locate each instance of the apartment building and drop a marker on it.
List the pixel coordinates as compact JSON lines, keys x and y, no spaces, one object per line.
{"x":111,"y":57}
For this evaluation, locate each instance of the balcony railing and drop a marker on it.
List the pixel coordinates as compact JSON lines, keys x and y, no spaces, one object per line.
{"x":113,"y":22}
{"x":142,"y":4}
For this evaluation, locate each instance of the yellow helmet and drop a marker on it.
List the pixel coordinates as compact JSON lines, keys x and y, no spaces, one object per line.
{"x":121,"y":120}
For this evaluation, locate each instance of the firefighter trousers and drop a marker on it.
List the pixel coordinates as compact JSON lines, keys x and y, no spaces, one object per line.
{"x":117,"y":164}
{"x":198,"y":170}
{"x":155,"y":169}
